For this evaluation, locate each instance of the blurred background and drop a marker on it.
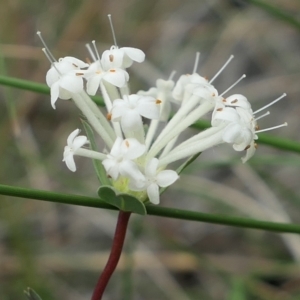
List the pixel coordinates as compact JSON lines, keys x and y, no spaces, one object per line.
{"x":60,"y":250}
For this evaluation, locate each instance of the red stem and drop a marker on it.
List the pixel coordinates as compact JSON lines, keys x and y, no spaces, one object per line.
{"x":114,"y":256}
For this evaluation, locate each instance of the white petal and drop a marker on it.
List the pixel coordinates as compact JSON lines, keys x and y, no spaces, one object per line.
{"x":72,"y":83}
{"x":148,"y":108}
{"x":112,"y":58}
{"x":151,"y":167}
{"x":250,"y":152}
{"x":153,"y":193}
{"x":131,"y":120}
{"x":116,"y":148}
{"x":232,"y":132}
{"x":69,"y":160}
{"x":132,"y":149}
{"x":134,"y":53}
{"x":120,"y":107}
{"x":79,"y":141}
{"x":75,"y":61}
{"x":238,"y":100}
{"x":130,"y":169}
{"x":111,"y":167}
{"x":52,"y":76}
{"x":116,"y":77}
{"x":166,"y":178}
{"x":93,"y":84}
{"x":72,"y":136}
{"x":54,"y":93}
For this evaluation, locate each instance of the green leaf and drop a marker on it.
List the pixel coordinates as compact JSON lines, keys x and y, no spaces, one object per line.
{"x":100,"y":171}
{"x":31,"y":294}
{"x":124,"y":202}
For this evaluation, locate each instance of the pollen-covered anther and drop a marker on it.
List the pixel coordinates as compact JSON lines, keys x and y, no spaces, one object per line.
{"x":158,"y":101}
{"x":224,"y":100}
{"x":108,"y":116}
{"x":256,"y":127}
{"x":247,"y":147}
{"x":234,"y":101}
{"x":75,"y":65}
{"x":98,"y":72}
{"x":255,"y":145}
{"x":111,"y":58}
{"x":127,"y":143}
{"x":79,"y":74}
{"x":213,"y":94}
{"x":112,"y":71}
{"x":219,"y":109}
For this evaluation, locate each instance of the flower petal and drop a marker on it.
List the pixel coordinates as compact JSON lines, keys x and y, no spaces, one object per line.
{"x":151,"y":167}
{"x":72,"y":136}
{"x":166,"y":178}
{"x":153,"y":193}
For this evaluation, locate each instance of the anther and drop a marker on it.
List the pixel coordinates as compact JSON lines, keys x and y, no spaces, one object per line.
{"x":158,"y":101}
{"x":75,"y":65}
{"x":247,"y":147}
{"x":112,"y":71}
{"x":219,"y":109}
{"x":108,"y":116}
{"x":127,"y":143}
{"x":79,"y":74}
{"x":111,"y":58}
{"x":234,"y":101}
{"x":255,"y":146}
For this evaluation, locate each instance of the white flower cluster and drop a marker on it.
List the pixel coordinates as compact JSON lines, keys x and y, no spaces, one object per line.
{"x":138,"y":158}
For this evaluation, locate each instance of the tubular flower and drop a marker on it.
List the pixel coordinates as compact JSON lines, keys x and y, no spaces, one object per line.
{"x":74,"y":143}
{"x":139,"y":157}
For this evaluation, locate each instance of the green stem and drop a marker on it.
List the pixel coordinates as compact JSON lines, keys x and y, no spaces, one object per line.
{"x":151,"y":210}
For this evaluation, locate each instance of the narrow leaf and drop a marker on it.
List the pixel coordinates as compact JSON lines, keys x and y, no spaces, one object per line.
{"x":100,"y":171}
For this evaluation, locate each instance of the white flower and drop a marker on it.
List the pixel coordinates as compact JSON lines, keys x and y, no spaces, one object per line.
{"x":129,"y":111}
{"x":95,"y":73}
{"x":154,"y":179}
{"x":74,"y":142}
{"x":65,"y":78}
{"x":120,"y":160}
{"x":121,"y":57}
{"x":186,"y":84}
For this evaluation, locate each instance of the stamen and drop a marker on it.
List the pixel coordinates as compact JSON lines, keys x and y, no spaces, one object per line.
{"x":266,"y":114}
{"x":233,"y":85}
{"x":88,"y":46}
{"x":108,"y":116}
{"x":127,"y":143}
{"x":271,"y":128}
{"x":112,"y":71}
{"x":273,"y":102}
{"x":219,"y":109}
{"x":196,"y":62}
{"x":158,"y":101}
{"x":111,"y":58}
{"x":96,"y":51}
{"x":221,"y":70}
{"x":46,"y":47}
{"x":112,"y":30}
{"x":172,"y":75}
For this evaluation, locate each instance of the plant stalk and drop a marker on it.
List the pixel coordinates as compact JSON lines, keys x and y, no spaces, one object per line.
{"x":114,"y":256}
